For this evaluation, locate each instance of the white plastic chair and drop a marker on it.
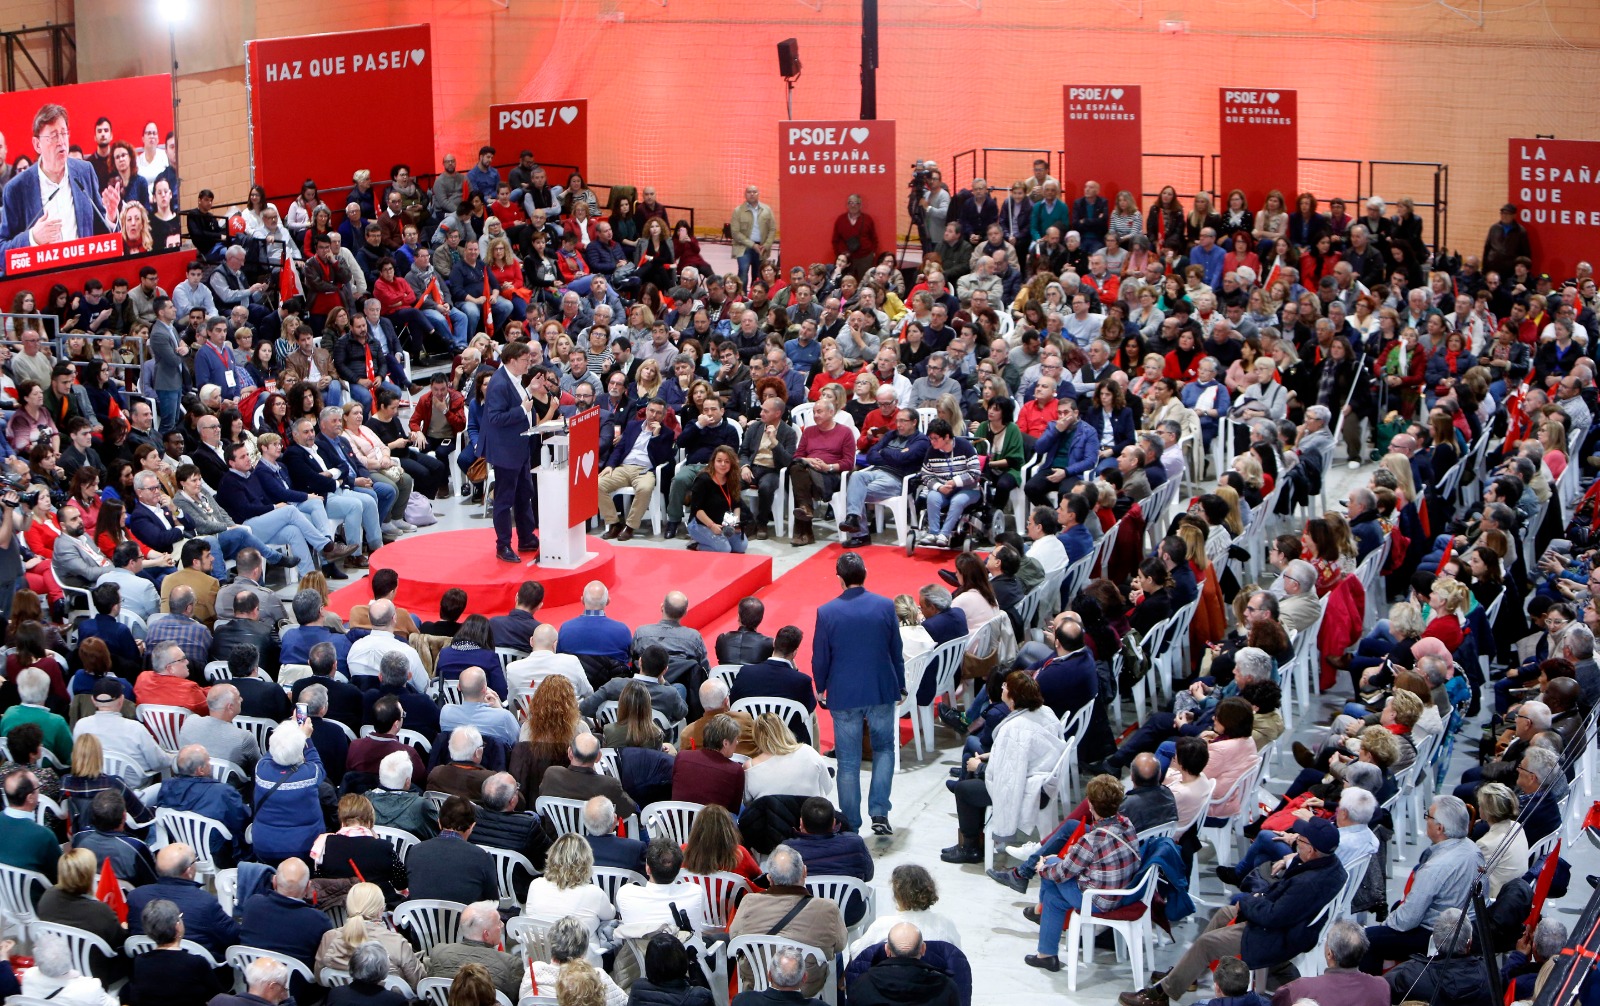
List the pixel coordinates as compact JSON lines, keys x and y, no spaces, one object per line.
{"x":226,"y":771}
{"x":194,"y":830}
{"x":260,"y":726}
{"x":722,"y":891}
{"x":612,"y":879}
{"x":218,"y":671}
{"x":842,"y":891}
{"x":402,"y":841}
{"x":506,"y":864}
{"x":240,"y":956}
{"x":1134,"y":936}
{"x":531,"y":935}
{"x":133,"y":946}
{"x":80,"y":943}
{"x":566,"y":815}
{"x":430,"y":920}
{"x":436,"y":992}
{"x":793,"y":713}
{"x":759,"y":951}
{"x":163,"y":722}
{"x":899,"y":508}
{"x":673,"y":818}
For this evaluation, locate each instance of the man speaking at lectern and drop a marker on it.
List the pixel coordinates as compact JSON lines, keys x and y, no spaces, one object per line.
{"x":507,"y":416}
{"x":57,"y":198}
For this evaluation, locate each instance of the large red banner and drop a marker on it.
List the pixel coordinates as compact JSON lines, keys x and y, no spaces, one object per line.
{"x":583,"y":460}
{"x":556,"y":131}
{"x":1556,"y":187}
{"x":1101,"y":141}
{"x":107,"y":123}
{"x":324,"y":106}
{"x":169,"y":273}
{"x":820,"y":166}
{"x":1260,"y":134}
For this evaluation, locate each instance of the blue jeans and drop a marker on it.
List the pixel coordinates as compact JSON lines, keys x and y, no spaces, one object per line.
{"x":227,"y":544}
{"x":847,"y":730}
{"x":871,"y":485}
{"x":1052,"y":846}
{"x":943,"y":521}
{"x":288,"y":527}
{"x":747,"y":265}
{"x":1057,"y":899}
{"x":474,"y":312}
{"x":364,"y":396}
{"x":358,"y":512}
{"x":728,"y":541}
{"x":169,"y":407}
{"x":452,"y":328}
{"x":384,"y":495}
{"x":1265,"y":849}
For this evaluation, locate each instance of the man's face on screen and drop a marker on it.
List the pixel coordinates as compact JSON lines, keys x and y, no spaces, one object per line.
{"x":102,"y":136}
{"x":51,"y":145}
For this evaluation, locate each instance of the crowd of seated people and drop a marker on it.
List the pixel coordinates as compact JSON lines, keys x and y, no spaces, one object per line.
{"x":1072,"y":361}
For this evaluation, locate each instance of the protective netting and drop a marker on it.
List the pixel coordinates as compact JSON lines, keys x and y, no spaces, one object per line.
{"x":691,"y":93}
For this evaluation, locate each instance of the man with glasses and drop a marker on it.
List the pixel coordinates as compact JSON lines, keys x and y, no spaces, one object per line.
{"x":1267,"y":930}
{"x":1442,"y":878}
{"x":897,"y":455}
{"x":58,"y":197}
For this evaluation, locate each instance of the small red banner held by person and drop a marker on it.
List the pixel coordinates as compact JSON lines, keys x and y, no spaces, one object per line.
{"x":110,"y":892}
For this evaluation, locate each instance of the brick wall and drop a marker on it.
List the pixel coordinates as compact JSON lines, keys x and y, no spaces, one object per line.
{"x":692,"y":88}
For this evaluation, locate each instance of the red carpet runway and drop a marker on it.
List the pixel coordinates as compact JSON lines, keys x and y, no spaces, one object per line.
{"x":430,"y":564}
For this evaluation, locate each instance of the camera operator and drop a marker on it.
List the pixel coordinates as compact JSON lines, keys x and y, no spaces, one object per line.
{"x":14,"y":520}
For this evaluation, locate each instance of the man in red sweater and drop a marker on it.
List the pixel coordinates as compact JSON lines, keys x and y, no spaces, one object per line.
{"x":827,"y":449}
{"x":709,"y":774}
{"x":856,"y":236}
{"x":168,"y":684}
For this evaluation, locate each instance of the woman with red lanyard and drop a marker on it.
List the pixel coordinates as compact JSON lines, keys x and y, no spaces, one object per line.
{"x":714,"y":501}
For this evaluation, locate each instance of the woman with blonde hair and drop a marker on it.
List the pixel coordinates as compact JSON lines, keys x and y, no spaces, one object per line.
{"x":864,"y":398}
{"x":1400,"y":467}
{"x":1234,"y":522}
{"x":784,"y":765}
{"x":949,"y":409}
{"x":1447,"y":609}
{"x":1210,"y":622}
{"x":715,"y":845}
{"x":134,"y":221}
{"x":364,"y":905}
{"x":914,"y":639}
{"x":1505,"y":844}
{"x":566,"y":889}
{"x":72,"y":902}
{"x":88,"y":779}
{"x":579,"y":985}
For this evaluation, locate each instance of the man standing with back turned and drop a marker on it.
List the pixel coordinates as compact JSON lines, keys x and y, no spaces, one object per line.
{"x":858,"y":666}
{"x":507,"y":412}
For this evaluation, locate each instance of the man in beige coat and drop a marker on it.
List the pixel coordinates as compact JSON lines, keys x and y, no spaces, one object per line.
{"x":753,"y":229}
{"x":819,"y":924}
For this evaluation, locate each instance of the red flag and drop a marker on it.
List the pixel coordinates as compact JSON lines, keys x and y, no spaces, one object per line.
{"x":488,"y":304}
{"x":1272,"y":277}
{"x":1541,"y":887}
{"x":110,"y":892}
{"x":289,"y":280}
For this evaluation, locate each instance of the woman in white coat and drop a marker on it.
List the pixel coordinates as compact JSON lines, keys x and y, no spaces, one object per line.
{"x":1011,"y":777}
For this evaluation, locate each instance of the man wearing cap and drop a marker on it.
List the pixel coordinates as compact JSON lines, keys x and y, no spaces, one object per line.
{"x":1273,"y":927}
{"x":1507,"y":241}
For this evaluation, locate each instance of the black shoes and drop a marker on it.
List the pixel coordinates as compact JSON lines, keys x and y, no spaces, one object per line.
{"x":961,"y":854}
{"x":881,"y":826}
{"x":506,"y":555}
{"x":1228,"y":875}
{"x":529,"y":546}
{"x":1009,"y":878}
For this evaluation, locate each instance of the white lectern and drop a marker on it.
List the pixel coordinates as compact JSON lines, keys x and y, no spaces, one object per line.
{"x":562,"y":544}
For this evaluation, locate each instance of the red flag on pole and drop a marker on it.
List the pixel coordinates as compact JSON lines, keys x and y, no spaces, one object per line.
{"x":1541,"y":887}
{"x":488,"y":303}
{"x":110,"y":892}
{"x":289,"y":280}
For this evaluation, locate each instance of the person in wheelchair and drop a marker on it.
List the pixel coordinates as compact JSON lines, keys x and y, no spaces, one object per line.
{"x":948,"y":483}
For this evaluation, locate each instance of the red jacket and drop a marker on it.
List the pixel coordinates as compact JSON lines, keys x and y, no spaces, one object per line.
{"x":1344,"y":610}
{"x":394,"y":296}
{"x":152,"y":689}
{"x":875,"y":426}
{"x":455,"y":412}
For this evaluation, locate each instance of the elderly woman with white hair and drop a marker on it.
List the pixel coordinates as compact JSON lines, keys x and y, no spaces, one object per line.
{"x":397,"y":803}
{"x":369,"y":969}
{"x":1505,"y":844}
{"x":52,"y":977}
{"x":569,"y":941}
{"x":287,"y":807}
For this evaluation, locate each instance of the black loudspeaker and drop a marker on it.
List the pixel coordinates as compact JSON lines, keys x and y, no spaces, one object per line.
{"x":789,"y":57}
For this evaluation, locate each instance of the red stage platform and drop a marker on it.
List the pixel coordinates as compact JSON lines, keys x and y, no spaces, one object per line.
{"x":430,"y":564}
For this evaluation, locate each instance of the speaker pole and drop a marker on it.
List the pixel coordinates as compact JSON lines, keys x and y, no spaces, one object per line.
{"x":869,"y":59}
{"x":790,"y":96}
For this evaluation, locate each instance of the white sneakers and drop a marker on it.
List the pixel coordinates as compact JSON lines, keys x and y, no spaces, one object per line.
{"x":1023,"y":851}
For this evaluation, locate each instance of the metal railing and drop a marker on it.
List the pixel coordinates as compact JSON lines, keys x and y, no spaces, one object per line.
{"x":955,"y":169}
{"x":22,"y":49}
{"x":986,"y":151}
{"x":1199,"y":176}
{"x":1439,"y":205}
{"x":56,"y":340}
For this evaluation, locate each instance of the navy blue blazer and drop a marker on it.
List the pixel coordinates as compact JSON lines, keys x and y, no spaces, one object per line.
{"x":148,"y":529}
{"x":503,"y":423}
{"x":337,"y":451}
{"x":856,"y":656}
{"x":297,"y":644}
{"x":204,"y":921}
{"x":1122,"y":431}
{"x":612,"y":850}
{"x":274,"y":482}
{"x":660,"y":446}
{"x":124,"y":652}
{"x":422,"y":715}
{"x":22,"y":205}
{"x":777,"y":679}
{"x":943,"y":627}
{"x":305,"y":474}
